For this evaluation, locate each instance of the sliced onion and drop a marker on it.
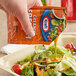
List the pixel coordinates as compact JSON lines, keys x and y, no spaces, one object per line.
{"x":40,"y":65}
{"x":73,"y":47}
{"x":37,"y":60}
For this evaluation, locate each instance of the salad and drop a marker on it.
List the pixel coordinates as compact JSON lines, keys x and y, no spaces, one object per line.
{"x":41,"y":62}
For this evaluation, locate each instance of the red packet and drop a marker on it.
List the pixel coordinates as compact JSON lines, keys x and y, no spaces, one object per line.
{"x":71,"y":8}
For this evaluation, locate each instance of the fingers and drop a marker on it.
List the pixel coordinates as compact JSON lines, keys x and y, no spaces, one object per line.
{"x":39,"y":3}
{"x":24,"y":20}
{"x":19,"y":9}
{"x":26,"y":25}
{"x":1,"y":7}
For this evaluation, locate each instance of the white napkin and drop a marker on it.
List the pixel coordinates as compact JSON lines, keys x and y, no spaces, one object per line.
{"x":11,"y":48}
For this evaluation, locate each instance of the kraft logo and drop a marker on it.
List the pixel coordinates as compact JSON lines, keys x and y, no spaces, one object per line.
{"x":45,"y":24}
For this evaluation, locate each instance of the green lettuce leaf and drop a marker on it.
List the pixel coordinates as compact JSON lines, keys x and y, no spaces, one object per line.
{"x":28,"y":71}
{"x":39,"y":48}
{"x":53,"y":73}
{"x":60,"y":50}
{"x":27,"y":59}
{"x":68,"y":61}
{"x":53,"y":56}
{"x":70,"y":72}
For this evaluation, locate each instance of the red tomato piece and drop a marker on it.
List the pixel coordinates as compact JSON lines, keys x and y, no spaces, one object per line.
{"x":69,"y":46}
{"x":16,"y":69}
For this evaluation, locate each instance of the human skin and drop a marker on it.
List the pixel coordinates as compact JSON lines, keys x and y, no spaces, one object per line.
{"x":19,"y":8}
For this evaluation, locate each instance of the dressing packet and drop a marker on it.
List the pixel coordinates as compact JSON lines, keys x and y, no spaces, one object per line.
{"x":47,"y":22}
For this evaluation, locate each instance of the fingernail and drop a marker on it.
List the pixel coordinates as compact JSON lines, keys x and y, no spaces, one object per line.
{"x":32,"y":33}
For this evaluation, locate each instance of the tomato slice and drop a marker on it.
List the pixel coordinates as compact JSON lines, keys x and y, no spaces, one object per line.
{"x":68,"y":46}
{"x":16,"y":69}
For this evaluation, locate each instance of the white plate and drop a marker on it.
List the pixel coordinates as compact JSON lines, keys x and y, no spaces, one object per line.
{"x":8,"y":61}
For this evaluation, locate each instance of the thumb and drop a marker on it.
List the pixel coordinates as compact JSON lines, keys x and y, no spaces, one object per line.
{"x":26,"y":24}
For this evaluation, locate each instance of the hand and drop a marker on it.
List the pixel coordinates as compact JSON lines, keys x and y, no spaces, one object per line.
{"x":19,"y":8}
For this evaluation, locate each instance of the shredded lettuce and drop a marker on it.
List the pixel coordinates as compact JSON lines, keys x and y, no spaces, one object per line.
{"x":39,"y":48}
{"x":68,"y":61}
{"x":38,"y":56}
{"x":53,"y":56}
{"x":60,"y":50}
{"x":28,"y":71}
{"x":70,"y":72}
{"x":53,"y":73}
{"x":27,"y":59}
